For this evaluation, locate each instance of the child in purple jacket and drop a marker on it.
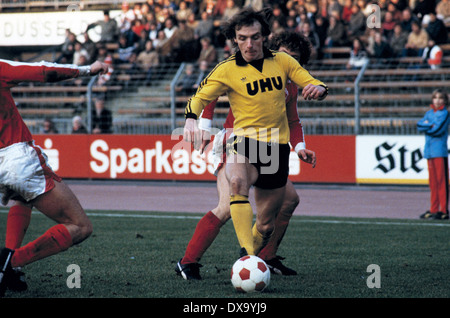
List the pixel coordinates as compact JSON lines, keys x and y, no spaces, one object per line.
{"x":435,"y":126}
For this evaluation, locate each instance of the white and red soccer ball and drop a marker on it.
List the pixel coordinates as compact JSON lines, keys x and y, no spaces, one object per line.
{"x":250,"y":274}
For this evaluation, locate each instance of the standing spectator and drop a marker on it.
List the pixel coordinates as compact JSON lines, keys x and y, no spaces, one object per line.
{"x":49,"y":127}
{"x":101,"y":117}
{"x":398,"y":40}
{"x":435,"y":126}
{"x":436,"y":29}
{"x":78,"y":126}
{"x":109,"y":30}
{"x":417,"y":40}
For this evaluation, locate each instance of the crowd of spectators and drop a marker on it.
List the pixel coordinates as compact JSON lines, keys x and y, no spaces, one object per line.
{"x":159,"y":31}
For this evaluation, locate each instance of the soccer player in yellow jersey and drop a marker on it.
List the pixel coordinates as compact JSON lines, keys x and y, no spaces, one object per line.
{"x":258,"y":152}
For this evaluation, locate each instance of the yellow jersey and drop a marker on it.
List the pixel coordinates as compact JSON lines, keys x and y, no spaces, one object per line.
{"x":256,"y":93}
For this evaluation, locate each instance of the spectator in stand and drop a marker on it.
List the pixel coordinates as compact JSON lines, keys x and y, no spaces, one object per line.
{"x":126,"y":17}
{"x":48,"y":127}
{"x":257,"y":5}
{"x":357,"y":24}
{"x":388,"y":24}
{"x":347,"y":11}
{"x":432,"y":55}
{"x":381,"y":48}
{"x":407,"y":19}
{"x":208,"y":52}
{"x":188,"y":83}
{"x":313,"y":37}
{"x":424,"y":7}
{"x":90,"y":47}
{"x":321,"y":28}
{"x":78,"y":126}
{"x":417,"y":40}
{"x":400,"y":4}
{"x":336,"y":33}
{"x":170,"y":27}
{"x":358,"y":54}
{"x":396,"y":14}
{"x":68,"y":48}
{"x":205,"y":27}
{"x":101,"y":117}
{"x":436,"y":29}
{"x":231,"y":9}
{"x":153,"y":31}
{"x":147,"y":60}
{"x":398,"y":40}
{"x":183,"y":44}
{"x":443,"y":10}
{"x":162,"y":46}
{"x":183,"y":12}
{"x":109,"y":29}
{"x":78,"y":55}
{"x":125,"y":50}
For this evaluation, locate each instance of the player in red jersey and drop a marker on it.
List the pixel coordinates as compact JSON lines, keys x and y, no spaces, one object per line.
{"x":209,"y":226}
{"x":26,"y":178}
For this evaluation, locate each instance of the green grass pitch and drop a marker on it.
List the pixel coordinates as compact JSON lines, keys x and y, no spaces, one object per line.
{"x":133,"y":255}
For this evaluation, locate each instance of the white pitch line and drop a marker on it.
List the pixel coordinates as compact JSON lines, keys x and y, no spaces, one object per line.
{"x":164,"y":216}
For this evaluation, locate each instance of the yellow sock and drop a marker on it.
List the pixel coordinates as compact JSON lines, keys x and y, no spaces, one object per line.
{"x":258,"y":240}
{"x":242,"y":216}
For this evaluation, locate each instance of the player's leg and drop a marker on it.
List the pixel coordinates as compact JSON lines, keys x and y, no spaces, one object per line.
{"x":17,"y":223}
{"x":269,"y":252}
{"x":268,"y":205}
{"x":441,"y":166}
{"x":62,"y":206}
{"x":241,"y":175}
{"x":206,"y":231}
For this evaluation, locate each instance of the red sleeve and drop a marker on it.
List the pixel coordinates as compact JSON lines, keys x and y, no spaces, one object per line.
{"x":208,"y":111}
{"x":295,"y":125}
{"x":12,"y":73}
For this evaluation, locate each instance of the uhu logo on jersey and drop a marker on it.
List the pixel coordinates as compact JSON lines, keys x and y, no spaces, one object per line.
{"x":267,"y":84}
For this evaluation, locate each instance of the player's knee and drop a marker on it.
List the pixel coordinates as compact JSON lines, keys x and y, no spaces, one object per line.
{"x":237,"y":185}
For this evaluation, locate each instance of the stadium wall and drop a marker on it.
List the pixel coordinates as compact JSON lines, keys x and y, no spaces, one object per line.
{"x":340,"y":159}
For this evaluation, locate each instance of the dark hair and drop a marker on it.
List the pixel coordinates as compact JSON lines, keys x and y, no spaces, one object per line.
{"x":294,"y":42}
{"x":246,"y":17}
{"x":443,"y":93}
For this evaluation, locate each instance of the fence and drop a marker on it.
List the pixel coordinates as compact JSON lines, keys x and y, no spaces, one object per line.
{"x":390,"y":97}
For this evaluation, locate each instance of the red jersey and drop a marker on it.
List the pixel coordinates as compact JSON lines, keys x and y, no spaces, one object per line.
{"x":12,"y":126}
{"x":295,"y":125}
